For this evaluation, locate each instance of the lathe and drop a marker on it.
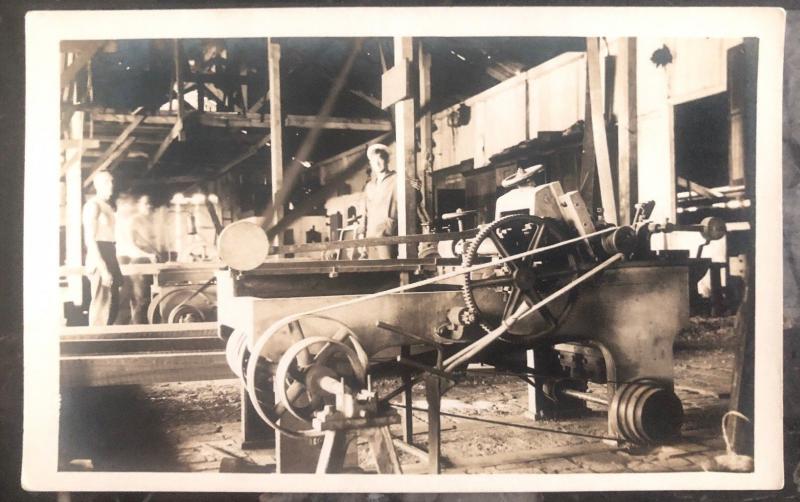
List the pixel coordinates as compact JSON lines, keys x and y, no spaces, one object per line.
{"x":590,"y":299}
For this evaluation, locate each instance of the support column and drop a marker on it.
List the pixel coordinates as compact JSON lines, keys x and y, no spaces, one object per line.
{"x":176,"y":52}
{"x":626,"y":129}
{"x":405,"y":153}
{"x":593,"y":60}
{"x":425,"y":161}
{"x":276,"y":128}
{"x":74,"y":202}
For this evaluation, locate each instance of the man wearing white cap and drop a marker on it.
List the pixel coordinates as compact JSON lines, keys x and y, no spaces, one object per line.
{"x":380,"y":202}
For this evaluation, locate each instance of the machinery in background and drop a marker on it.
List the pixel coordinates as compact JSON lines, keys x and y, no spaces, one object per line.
{"x":590,"y":299}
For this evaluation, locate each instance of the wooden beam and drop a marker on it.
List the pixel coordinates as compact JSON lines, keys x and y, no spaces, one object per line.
{"x":176,"y":54}
{"x":128,"y":331}
{"x":235,"y":162}
{"x":81,"y":59}
{"x":173,"y":133}
{"x":253,"y":120}
{"x":74,"y":208}
{"x":626,"y":129}
{"x":352,"y":124}
{"x":138,"y":345}
{"x":257,"y":105}
{"x":143,"y":369}
{"x":112,"y":152}
{"x":276,"y":128}
{"x":405,"y":153}
{"x":84,"y":144}
{"x":109,"y":161}
{"x":161,"y":118}
{"x":425,"y":161}
{"x":599,"y":130}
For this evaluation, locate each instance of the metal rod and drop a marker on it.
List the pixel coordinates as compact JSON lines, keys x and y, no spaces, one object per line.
{"x":584,"y":396}
{"x":428,"y":369}
{"x":511,"y":424}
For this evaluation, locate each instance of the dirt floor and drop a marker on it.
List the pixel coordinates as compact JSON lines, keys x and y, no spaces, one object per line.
{"x":193,"y":426}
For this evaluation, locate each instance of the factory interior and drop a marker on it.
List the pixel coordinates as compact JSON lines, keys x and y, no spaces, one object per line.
{"x":433,"y":255}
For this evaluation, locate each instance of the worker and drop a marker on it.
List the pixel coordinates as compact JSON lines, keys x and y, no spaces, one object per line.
{"x":101,"y":255}
{"x":380,"y":203}
{"x":135,"y":245}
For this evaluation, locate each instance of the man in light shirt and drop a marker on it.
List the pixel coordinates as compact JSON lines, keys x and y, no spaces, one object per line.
{"x":135,"y":245}
{"x":101,"y":256}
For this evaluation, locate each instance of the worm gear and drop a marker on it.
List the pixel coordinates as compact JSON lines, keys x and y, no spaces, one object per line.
{"x":524,"y":281}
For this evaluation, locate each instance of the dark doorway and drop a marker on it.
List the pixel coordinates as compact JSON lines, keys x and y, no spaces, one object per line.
{"x":702,"y":140}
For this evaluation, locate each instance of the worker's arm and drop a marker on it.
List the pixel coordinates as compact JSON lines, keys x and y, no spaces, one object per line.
{"x":91,"y":213}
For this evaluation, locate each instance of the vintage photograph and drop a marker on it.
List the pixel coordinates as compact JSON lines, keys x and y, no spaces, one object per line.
{"x":432,"y":254}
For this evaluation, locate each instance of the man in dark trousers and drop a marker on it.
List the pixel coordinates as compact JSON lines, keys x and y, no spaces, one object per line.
{"x":101,"y":255}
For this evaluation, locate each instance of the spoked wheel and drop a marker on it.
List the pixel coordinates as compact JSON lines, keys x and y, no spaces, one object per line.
{"x":523,"y":282}
{"x":289,"y":359}
{"x":180,"y":305}
{"x":311,"y":372}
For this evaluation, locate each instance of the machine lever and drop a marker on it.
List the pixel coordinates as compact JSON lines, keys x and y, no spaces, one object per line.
{"x":423,"y":367}
{"x":435,"y":340}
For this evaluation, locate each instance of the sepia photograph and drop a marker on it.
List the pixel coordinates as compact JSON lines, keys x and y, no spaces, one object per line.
{"x":319,"y":247}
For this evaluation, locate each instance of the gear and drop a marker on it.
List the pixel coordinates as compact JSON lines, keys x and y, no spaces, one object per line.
{"x":512,"y":235}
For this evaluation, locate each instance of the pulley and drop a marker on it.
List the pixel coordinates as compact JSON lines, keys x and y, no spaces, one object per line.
{"x":645,"y":412}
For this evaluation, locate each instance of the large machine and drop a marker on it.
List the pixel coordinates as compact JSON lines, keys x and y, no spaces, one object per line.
{"x":545,"y":291}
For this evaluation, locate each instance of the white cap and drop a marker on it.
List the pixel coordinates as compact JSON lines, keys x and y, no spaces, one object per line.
{"x":374,"y":149}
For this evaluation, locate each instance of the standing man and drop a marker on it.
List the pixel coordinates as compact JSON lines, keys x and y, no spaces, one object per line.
{"x":101,"y":255}
{"x":135,"y":245}
{"x":380,"y":202}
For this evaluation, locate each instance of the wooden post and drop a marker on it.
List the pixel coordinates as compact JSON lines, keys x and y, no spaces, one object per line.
{"x":405,"y":154}
{"x":626,"y":130}
{"x":425,"y":162}
{"x":276,"y":127}
{"x":599,"y":130}
{"x":74,"y":203}
{"x":408,"y":416}
{"x":176,"y":52}
{"x":433,"y":396}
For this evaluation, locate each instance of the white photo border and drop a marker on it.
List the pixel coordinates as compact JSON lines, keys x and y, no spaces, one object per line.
{"x":45,"y":30}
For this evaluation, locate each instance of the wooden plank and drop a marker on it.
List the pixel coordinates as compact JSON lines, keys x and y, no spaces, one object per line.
{"x":173,"y":134}
{"x":139,"y":345}
{"x":163,"y":118}
{"x":433,"y":397}
{"x":85,"y":144}
{"x":257,"y":105}
{"x":153,"y":268}
{"x":405,"y":152}
{"x":351,"y":124}
{"x":425,"y":161}
{"x":626,"y":130}
{"x":73,"y":209}
{"x":276,"y":129}
{"x":81,"y":59}
{"x":143,"y":369}
{"x":195,"y":329}
{"x":110,"y":161}
{"x":176,"y":54}
{"x":254,"y":149}
{"x":117,"y":147}
{"x":599,"y":130}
